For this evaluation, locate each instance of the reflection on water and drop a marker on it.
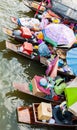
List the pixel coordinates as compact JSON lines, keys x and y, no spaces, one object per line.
{"x":13,"y":67}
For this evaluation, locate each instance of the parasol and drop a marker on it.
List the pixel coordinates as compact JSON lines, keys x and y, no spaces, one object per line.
{"x":59,"y":34}
{"x":71,"y":96}
{"x":71,"y":59}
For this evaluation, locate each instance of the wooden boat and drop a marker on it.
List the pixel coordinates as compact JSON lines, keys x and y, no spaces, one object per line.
{"x":31,"y":23}
{"x":29,"y":115}
{"x":65,"y":9}
{"x":34,"y":5}
{"x":35,"y":57}
{"x":24,"y":87}
{"x":62,"y":8}
{"x":16,"y":48}
{"x":11,"y":34}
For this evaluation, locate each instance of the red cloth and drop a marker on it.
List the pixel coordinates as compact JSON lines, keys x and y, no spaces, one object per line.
{"x":26,"y":33}
{"x":27,"y":48}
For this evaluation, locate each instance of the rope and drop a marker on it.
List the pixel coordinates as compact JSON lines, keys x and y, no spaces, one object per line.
{"x":49,"y":3}
{"x":38,"y":8}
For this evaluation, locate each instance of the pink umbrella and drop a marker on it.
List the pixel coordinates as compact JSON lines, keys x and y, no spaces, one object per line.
{"x":59,"y":34}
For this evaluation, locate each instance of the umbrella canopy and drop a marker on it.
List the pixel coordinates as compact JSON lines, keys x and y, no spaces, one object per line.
{"x":71,"y":96}
{"x":71,"y":59}
{"x":59,"y":34}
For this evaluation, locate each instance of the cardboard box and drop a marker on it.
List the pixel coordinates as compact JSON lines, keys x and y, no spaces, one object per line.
{"x":36,"y":91}
{"x":44,"y":111}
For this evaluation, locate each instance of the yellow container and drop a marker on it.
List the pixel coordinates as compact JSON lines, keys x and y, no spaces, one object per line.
{"x":44,"y":111}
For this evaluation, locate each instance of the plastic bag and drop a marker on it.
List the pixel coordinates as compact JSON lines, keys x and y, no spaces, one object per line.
{"x":43,"y":50}
{"x":59,"y":87}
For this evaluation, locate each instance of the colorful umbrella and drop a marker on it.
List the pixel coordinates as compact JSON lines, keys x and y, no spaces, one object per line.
{"x":71,"y":95}
{"x":59,"y":34}
{"x":71,"y":59}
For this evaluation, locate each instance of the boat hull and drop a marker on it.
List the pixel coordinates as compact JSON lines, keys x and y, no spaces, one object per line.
{"x":28,"y":115}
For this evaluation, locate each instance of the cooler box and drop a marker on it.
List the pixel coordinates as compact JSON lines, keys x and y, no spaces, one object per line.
{"x":44,"y":111}
{"x":26,"y":33}
{"x":36,"y":91}
{"x":27,"y":48}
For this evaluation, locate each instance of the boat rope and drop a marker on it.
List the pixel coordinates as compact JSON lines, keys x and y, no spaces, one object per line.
{"x":38,"y":8}
{"x":48,"y":2}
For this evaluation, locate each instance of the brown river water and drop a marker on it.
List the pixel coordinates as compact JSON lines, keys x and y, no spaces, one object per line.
{"x":14,"y":67}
